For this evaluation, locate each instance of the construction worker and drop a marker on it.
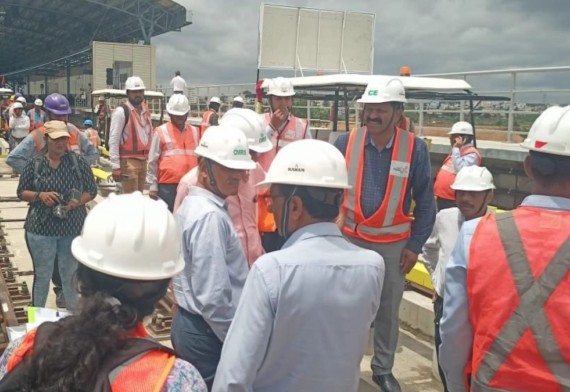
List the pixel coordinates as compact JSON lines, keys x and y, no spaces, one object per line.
{"x":211,"y":115}
{"x":172,"y":151}
{"x":507,"y":284}
{"x":282,"y":128}
{"x":178,"y":83}
{"x":130,"y":137}
{"x":91,"y":133}
{"x":463,"y":154}
{"x":101,"y":111}
{"x":37,"y":115}
{"x":387,"y":168}
{"x":124,"y":270}
{"x":243,"y":206}
{"x":21,"y":100}
{"x":237,"y":102}
{"x":302,"y":324}
{"x":19,"y":125}
{"x":208,"y":290}
{"x":474,"y":188}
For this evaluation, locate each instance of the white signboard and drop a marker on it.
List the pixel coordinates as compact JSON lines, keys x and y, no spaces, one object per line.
{"x":311,"y":39}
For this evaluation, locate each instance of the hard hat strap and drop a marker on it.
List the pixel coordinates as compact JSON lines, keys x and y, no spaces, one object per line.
{"x":285,"y":215}
{"x":211,"y":179}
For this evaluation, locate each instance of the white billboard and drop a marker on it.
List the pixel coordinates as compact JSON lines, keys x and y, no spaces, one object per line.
{"x":310,"y":39}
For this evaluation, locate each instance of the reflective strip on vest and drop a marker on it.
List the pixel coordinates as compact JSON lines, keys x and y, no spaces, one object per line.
{"x":388,"y":226}
{"x":530,"y":312}
{"x":170,"y":150}
{"x":129,"y":148}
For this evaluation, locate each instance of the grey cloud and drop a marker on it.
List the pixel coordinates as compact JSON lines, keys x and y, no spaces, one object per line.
{"x":434,"y":36}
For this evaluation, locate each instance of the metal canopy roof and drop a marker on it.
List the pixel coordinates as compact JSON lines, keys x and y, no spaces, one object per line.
{"x":46,"y":35}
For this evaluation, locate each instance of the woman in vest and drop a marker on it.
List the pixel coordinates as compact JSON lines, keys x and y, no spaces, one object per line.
{"x":463,"y":154}
{"x":128,"y":251}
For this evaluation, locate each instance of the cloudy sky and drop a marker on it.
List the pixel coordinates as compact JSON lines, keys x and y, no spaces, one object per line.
{"x":430,"y":36}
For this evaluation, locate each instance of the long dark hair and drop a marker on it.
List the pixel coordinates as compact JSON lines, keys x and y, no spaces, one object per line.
{"x":108,"y":309}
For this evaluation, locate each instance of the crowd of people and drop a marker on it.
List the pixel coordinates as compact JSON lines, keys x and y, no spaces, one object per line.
{"x":282,"y":251}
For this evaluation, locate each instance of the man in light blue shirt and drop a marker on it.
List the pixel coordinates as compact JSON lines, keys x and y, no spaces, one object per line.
{"x":534,"y":228}
{"x":303,"y":320}
{"x":208,"y":290}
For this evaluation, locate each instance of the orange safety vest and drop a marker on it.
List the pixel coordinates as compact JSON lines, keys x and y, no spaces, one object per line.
{"x":446,"y":175}
{"x":176,"y":152}
{"x":32,"y":115}
{"x":265,"y":219}
{"x":133,"y":147}
{"x":206,"y":121}
{"x":72,"y":143}
{"x":518,"y":286}
{"x":389,"y":223}
{"x":147,"y":373}
{"x":295,"y":129}
{"x":93,"y":136}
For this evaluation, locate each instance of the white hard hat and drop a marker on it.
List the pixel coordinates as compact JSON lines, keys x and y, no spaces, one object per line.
{"x":22,"y":100}
{"x":130,"y":236}
{"x":215,"y":100}
{"x":17,"y":105}
{"x":550,"y":132}
{"x":238,"y":99}
{"x":461,"y":128}
{"x":227,"y":146}
{"x":178,"y":105}
{"x":473,"y":178}
{"x":38,"y":102}
{"x":251,"y":124}
{"x":308,"y":162}
{"x":280,"y":87}
{"x":390,"y":91}
{"x":134,"y":83}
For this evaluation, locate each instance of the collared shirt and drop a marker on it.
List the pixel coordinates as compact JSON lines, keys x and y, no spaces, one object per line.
{"x":63,"y":179}
{"x":455,"y":328}
{"x":419,"y":188}
{"x":304,"y":317}
{"x":26,"y":150}
{"x":20,"y":126}
{"x":212,"y":280}
{"x":241,"y":207}
{"x":118,"y":132}
{"x":459,"y":162}
{"x":178,"y":83}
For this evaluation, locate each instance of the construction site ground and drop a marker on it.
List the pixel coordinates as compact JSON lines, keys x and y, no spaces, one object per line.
{"x":414,"y":356}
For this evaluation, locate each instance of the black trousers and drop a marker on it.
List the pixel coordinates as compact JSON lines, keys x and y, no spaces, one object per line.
{"x":438,"y":312}
{"x":272,"y":241}
{"x":194,"y":341}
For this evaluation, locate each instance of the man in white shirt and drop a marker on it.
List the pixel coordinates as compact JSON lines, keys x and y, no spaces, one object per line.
{"x":19,"y":125}
{"x":473,"y":188}
{"x":303,"y":319}
{"x":178,"y":84}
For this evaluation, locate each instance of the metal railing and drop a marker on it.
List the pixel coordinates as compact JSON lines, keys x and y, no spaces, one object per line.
{"x":509,"y":118}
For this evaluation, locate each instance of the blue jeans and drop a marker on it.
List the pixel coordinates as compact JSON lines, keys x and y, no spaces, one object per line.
{"x":194,"y":341}
{"x":44,"y":250}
